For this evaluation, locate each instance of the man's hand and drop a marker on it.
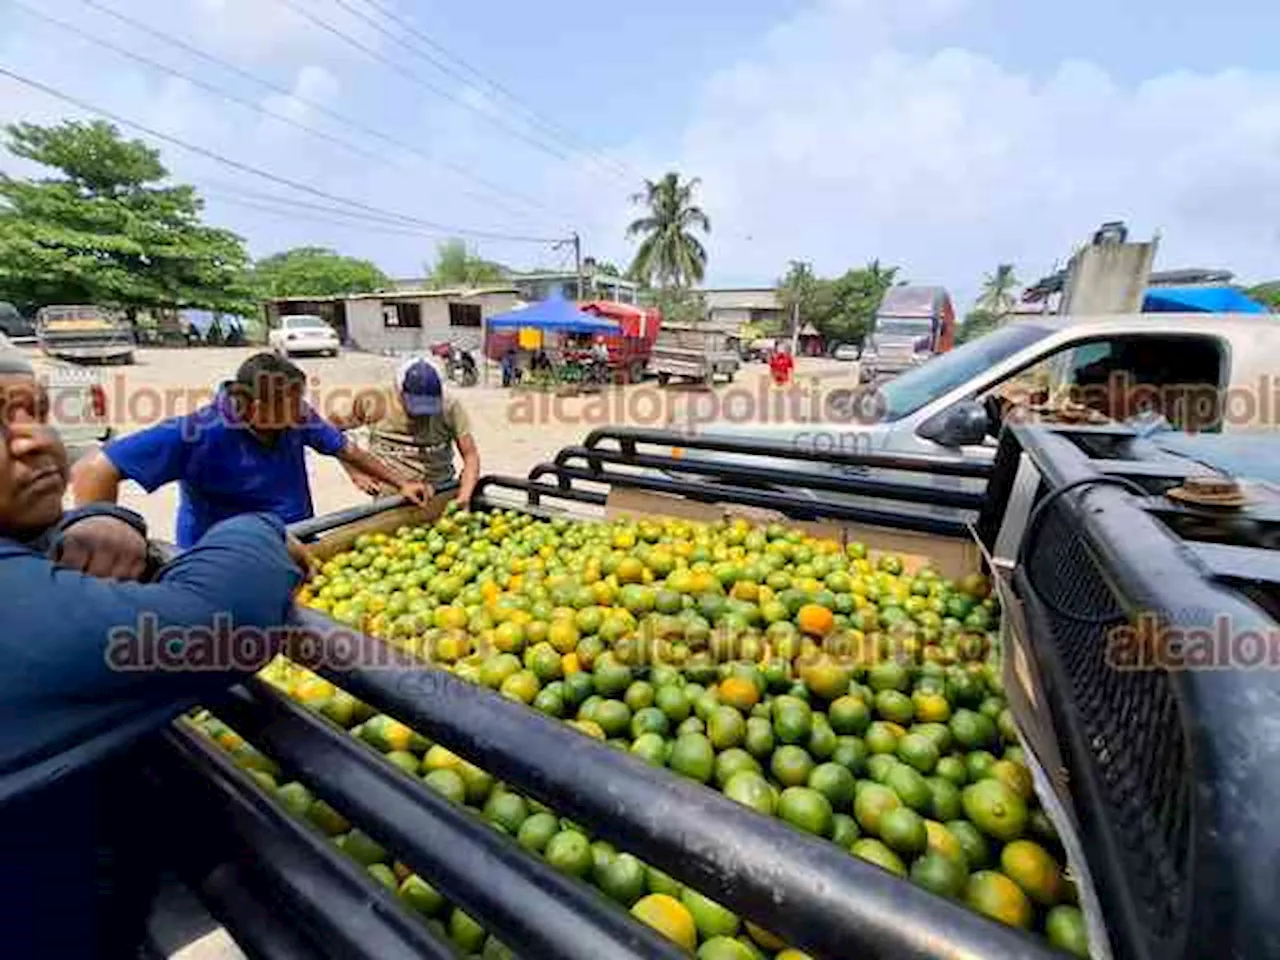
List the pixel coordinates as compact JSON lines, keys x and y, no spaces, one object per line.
{"x":367,"y":484}
{"x":301,"y":556}
{"x":104,"y":547}
{"x":417,"y":491}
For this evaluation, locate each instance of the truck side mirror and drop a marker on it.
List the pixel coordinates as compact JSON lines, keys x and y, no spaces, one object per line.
{"x":960,"y":425}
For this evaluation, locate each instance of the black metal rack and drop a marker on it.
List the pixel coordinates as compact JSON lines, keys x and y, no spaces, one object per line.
{"x":1174,"y":770}
{"x":1174,"y":806}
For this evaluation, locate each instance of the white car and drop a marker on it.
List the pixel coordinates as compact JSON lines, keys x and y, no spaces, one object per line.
{"x":304,"y":333}
{"x":847,"y":352}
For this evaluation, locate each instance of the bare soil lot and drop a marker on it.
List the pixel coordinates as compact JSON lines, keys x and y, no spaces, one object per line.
{"x":515,"y":430}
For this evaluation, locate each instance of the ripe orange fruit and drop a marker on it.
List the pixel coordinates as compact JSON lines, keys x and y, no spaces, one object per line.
{"x":815,"y":620}
{"x":739,"y":692}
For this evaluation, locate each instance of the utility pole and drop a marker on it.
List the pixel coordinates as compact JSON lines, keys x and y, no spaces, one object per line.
{"x":577,"y":257}
{"x":577,"y":261}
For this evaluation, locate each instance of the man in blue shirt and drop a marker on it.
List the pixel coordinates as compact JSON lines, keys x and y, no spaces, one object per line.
{"x":78,"y":854}
{"x":243,"y":453}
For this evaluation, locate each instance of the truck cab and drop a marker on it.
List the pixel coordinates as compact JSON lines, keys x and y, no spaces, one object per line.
{"x":911,"y":325}
{"x":1199,"y":372}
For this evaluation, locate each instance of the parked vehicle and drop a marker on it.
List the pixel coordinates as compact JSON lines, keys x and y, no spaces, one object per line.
{"x":85,"y":332}
{"x":694,"y":352}
{"x":944,"y":408}
{"x":460,"y":368}
{"x":911,"y":325}
{"x":77,"y":401}
{"x":847,"y":352}
{"x":630,"y":351}
{"x":304,"y":334}
{"x":13,"y":324}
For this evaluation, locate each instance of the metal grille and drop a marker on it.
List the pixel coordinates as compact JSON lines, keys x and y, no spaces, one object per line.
{"x":1132,"y":729}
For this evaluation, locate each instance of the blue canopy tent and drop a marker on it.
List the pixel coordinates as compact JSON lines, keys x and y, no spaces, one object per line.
{"x":554,"y":315}
{"x":1199,"y":300}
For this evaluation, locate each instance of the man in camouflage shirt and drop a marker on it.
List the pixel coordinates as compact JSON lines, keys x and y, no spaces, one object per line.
{"x":414,"y":427}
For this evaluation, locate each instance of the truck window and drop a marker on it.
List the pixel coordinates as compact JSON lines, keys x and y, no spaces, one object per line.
{"x":905,"y":394}
{"x":1177,"y":376}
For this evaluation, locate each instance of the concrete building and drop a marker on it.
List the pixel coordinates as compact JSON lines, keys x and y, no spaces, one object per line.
{"x":538,"y":286}
{"x":403,"y":321}
{"x":742,"y":305}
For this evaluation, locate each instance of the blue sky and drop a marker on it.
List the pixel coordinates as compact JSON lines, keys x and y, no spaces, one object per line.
{"x":945,"y":136}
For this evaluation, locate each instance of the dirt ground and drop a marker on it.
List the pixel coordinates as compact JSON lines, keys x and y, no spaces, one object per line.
{"x":515,"y":430}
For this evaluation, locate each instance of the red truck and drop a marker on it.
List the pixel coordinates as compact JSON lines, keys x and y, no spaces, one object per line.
{"x":629,"y":351}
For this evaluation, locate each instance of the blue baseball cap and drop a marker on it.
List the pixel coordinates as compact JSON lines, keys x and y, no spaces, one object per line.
{"x":420,"y":388}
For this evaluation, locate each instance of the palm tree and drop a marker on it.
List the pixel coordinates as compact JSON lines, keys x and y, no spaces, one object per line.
{"x":669,"y":253}
{"x":997,"y":291}
{"x":884,"y":277}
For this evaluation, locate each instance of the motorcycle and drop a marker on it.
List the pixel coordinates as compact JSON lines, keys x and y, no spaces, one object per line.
{"x":460,"y":367}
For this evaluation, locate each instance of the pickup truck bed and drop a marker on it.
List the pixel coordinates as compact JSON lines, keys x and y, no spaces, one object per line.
{"x":1173,"y":823}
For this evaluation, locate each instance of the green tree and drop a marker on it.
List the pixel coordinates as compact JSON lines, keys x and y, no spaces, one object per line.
{"x":669,"y":254}
{"x":803,"y":297}
{"x":997,"y":296}
{"x":602,"y":267}
{"x":315,"y":271}
{"x":110,"y":231}
{"x":457,"y":266}
{"x":1267,"y":294}
{"x":976,"y":323}
{"x":677,"y":304}
{"x":852,"y":301}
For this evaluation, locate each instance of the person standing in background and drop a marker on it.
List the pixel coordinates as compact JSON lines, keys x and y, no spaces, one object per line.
{"x":415,"y":427}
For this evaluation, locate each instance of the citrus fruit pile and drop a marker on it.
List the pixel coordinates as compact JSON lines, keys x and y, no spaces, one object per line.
{"x":811,"y":681}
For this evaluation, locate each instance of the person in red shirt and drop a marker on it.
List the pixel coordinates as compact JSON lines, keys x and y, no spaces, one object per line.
{"x":780,"y":365}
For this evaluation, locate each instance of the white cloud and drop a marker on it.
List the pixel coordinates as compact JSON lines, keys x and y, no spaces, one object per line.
{"x":855,"y":132}
{"x":852,"y":130}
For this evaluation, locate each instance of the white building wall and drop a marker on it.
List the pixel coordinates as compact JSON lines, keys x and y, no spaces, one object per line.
{"x":369,"y":330}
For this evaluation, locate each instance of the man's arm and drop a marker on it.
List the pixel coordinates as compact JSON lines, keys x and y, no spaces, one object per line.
{"x":367,"y":464}
{"x":150,"y":458}
{"x":323,"y":437}
{"x":470,"y":467}
{"x":83,"y":655}
{"x":95,"y":479}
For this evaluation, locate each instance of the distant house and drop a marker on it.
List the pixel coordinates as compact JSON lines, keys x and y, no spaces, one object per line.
{"x":757,"y":306}
{"x":405,"y":320}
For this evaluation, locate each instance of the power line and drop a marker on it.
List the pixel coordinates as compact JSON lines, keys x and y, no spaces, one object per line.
{"x":195,"y":81}
{"x":419,"y":81}
{"x":284,"y":211}
{"x":454,"y":168}
{"x":398,"y":222}
{"x":267,"y":175}
{"x":475,"y":72}
{"x":537,"y":119}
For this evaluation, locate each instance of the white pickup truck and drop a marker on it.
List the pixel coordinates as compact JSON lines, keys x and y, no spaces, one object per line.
{"x":77,"y":400}
{"x":1187,"y":363}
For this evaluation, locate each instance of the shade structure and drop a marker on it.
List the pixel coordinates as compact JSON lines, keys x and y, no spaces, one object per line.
{"x":554,"y":315}
{"x":1199,"y":300}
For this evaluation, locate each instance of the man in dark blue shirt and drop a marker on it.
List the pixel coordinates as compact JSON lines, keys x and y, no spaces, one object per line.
{"x":77,"y":858}
{"x":243,"y":453}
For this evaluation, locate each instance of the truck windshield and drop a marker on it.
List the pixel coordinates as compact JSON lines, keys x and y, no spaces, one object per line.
{"x":901,"y":327}
{"x":905,"y":394}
